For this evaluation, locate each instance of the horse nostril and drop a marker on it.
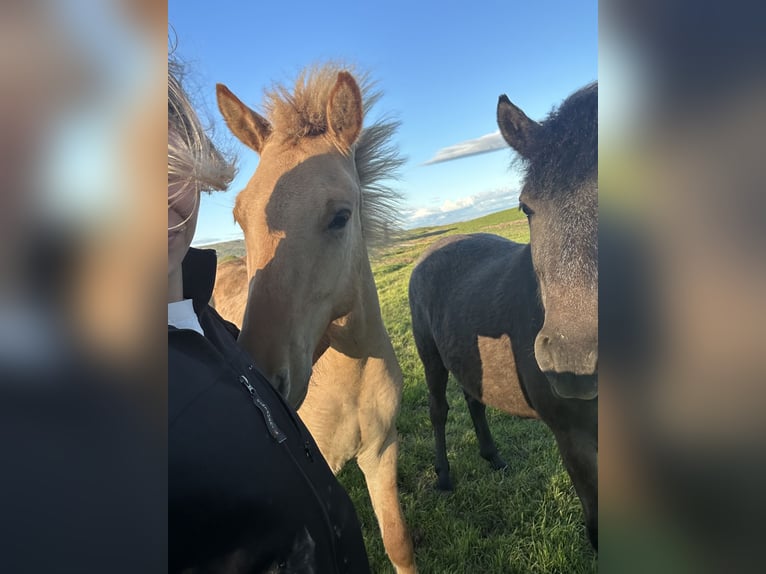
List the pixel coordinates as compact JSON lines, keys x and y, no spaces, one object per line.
{"x":546,"y":352}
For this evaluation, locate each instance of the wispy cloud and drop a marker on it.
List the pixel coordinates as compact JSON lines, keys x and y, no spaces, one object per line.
{"x":483,"y":144}
{"x":461,"y":209}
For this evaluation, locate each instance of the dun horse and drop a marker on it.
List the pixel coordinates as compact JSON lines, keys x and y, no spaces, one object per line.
{"x":517,"y":324}
{"x":316,"y":201}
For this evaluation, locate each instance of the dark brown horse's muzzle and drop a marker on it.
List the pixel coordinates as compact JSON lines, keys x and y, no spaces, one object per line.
{"x":572,"y":386}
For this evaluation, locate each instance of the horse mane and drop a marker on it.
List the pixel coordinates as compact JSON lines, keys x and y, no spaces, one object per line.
{"x":301,"y":111}
{"x":566,"y":153}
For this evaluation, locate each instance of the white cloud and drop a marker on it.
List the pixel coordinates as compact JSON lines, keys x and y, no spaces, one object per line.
{"x":458,"y":204}
{"x":461,"y":209}
{"x":483,"y":144}
{"x":211,"y":240}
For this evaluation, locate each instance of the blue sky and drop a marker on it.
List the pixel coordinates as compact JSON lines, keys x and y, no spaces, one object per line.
{"x":441,"y":70}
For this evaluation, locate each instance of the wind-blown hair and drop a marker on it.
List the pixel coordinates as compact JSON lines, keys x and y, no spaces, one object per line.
{"x":302,"y":112}
{"x":565,"y":154}
{"x":192,"y":156}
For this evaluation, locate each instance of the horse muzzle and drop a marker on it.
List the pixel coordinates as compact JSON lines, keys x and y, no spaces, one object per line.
{"x":293,"y":389}
{"x":571,"y":386}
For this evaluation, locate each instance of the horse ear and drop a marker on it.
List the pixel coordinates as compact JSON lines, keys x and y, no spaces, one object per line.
{"x":344,"y":111}
{"x":250,"y":128}
{"x":518,"y":130}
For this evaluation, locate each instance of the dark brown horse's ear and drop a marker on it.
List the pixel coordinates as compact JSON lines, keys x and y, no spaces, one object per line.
{"x":518,"y":130}
{"x":344,"y":112}
{"x":250,"y":128}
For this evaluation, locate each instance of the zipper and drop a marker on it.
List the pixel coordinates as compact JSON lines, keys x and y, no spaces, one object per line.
{"x":306,"y":444}
{"x":271,"y":425}
{"x":307,"y":451}
{"x":281,"y":399}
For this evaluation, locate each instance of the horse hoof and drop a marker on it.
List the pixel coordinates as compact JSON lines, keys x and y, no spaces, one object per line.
{"x":498,"y":464}
{"x":444,"y":486}
{"x":593,"y":538}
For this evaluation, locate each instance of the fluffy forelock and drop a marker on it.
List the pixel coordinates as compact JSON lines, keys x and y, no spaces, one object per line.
{"x":300,"y":111}
{"x":566,"y":154}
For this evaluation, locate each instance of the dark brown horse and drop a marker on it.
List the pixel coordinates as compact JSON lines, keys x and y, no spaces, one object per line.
{"x":517,"y":324}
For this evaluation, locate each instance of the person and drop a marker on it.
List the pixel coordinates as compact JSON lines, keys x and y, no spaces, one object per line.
{"x":248,"y":488}
{"x":83,"y":475}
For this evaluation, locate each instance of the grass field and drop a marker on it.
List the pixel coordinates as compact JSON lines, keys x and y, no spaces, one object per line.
{"x":524,"y":519}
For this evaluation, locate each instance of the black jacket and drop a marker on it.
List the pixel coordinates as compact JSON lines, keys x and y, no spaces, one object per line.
{"x":248,"y":488}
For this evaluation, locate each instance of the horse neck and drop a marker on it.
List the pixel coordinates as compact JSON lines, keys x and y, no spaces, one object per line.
{"x":361,"y":331}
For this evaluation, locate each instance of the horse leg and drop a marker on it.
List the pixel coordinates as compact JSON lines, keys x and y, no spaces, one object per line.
{"x":379,"y":467}
{"x":487,"y":447}
{"x":579,"y":451}
{"x":436,"y":377}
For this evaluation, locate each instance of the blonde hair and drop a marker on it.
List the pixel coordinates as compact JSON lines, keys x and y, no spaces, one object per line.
{"x":192,"y":157}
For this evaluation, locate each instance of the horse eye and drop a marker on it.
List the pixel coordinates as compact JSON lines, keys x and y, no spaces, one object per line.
{"x":340,"y":219}
{"x":525,"y":208}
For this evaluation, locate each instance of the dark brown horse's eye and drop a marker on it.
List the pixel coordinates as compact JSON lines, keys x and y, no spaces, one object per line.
{"x":525,"y":208}
{"x":340,"y":219}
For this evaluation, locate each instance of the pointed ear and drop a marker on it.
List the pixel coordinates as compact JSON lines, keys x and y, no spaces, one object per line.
{"x":518,"y":130}
{"x":250,"y":128}
{"x":344,"y":111}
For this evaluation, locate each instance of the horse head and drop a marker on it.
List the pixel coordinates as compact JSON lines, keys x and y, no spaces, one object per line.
{"x":560,"y":199}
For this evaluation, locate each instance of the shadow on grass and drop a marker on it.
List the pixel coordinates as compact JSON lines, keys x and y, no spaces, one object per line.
{"x":429,"y":233}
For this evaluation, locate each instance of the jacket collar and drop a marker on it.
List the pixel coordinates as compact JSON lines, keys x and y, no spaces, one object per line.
{"x":198,"y":271}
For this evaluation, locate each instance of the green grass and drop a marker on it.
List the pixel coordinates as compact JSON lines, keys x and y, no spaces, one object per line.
{"x":526,"y":519}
